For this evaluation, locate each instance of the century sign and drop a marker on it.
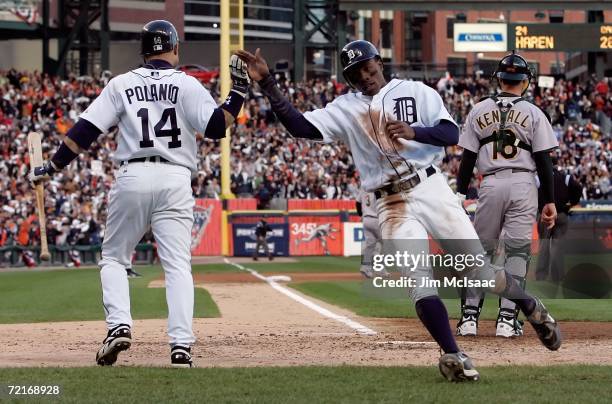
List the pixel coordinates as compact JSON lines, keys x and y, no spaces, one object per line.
{"x":480,"y":37}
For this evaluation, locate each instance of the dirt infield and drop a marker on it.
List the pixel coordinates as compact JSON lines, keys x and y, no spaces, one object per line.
{"x":261,"y":327}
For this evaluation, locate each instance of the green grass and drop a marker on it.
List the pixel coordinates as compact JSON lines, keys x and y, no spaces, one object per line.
{"x":558,"y":384}
{"x":355,"y":297}
{"x":303,"y":264}
{"x":76,"y":294}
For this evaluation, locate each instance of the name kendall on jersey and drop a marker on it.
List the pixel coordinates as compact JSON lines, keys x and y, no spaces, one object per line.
{"x":489,"y":118}
{"x":153,"y":92}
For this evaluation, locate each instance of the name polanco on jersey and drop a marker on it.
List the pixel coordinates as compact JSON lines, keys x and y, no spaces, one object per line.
{"x":153,"y":92}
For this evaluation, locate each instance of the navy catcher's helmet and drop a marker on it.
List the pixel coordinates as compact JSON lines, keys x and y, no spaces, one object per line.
{"x":158,"y":36}
{"x":513,"y":67}
{"x":356,"y":52}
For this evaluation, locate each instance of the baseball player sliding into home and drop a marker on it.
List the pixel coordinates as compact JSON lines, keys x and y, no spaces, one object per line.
{"x":397,"y":131}
{"x":158,"y":110}
{"x":507,"y":139}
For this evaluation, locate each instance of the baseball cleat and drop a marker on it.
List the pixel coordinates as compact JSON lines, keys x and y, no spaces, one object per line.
{"x":468,"y":325}
{"x":370,"y":273}
{"x":383,"y":273}
{"x":118,"y":339}
{"x":366,"y":272}
{"x":546,"y":327}
{"x":507,"y":325}
{"x":132,"y":274}
{"x":458,"y":367}
{"x":180,"y":357}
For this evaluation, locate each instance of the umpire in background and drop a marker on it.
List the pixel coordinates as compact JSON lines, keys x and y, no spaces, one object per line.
{"x":261,"y":231}
{"x":567,"y":192}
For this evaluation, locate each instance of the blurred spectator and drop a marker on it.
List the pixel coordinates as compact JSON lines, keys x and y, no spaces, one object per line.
{"x":265,"y":162}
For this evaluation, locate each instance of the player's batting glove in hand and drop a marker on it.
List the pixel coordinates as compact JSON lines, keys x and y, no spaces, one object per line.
{"x":42,"y":173}
{"x":240,"y":76}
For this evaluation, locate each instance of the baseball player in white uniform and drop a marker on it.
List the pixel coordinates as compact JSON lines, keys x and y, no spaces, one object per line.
{"x":508,"y":139}
{"x":158,"y":111}
{"x":397,"y":131}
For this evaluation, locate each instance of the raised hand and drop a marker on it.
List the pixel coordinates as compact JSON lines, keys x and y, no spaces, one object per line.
{"x":240,"y":78}
{"x":256,"y":65}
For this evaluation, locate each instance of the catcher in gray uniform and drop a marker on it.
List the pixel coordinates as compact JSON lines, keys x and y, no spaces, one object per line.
{"x":507,"y":139}
{"x":372,"y":243}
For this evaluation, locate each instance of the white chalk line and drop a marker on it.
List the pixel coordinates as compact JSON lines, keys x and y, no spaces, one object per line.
{"x":417,"y":343}
{"x":360,"y":328}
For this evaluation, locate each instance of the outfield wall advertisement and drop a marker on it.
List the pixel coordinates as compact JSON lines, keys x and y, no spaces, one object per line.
{"x":353,"y":237}
{"x":335,"y":232}
{"x":311,"y":234}
{"x":245,"y":240}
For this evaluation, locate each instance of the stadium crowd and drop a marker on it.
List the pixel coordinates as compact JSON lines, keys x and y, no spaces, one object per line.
{"x":266,"y":162}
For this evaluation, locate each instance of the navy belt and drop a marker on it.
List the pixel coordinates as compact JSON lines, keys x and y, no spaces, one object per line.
{"x":402,"y":186}
{"x":514,"y":170}
{"x":148,"y":159}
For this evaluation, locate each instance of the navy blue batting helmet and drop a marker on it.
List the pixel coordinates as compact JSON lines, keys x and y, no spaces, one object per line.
{"x":513,"y":67}
{"x":356,"y":52}
{"x":158,"y":36}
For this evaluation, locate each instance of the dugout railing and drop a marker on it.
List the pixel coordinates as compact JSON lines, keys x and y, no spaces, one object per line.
{"x":13,"y":255}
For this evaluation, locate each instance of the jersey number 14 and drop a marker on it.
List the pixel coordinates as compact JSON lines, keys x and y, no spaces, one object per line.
{"x":174,"y":131}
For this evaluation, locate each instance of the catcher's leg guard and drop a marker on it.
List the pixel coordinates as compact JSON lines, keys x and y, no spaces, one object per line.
{"x":516,"y":264}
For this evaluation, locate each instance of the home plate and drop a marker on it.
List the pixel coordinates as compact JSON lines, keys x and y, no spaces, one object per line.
{"x":279,"y":278}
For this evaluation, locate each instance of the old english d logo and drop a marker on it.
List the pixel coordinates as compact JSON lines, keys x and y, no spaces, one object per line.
{"x":405,"y":109}
{"x":352,"y":54}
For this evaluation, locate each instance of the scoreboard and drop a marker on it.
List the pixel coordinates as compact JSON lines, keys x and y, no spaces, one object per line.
{"x":593,"y":37}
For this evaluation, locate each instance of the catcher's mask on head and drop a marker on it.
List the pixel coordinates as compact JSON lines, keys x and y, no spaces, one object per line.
{"x":355,"y":53}
{"x":513,"y":67}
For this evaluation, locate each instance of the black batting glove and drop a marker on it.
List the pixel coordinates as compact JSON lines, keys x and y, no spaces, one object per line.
{"x":240,"y":78}
{"x":42,"y":173}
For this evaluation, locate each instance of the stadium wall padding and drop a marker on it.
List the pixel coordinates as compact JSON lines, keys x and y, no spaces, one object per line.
{"x":206,"y":232}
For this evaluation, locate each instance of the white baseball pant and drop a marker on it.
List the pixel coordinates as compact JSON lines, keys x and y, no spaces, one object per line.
{"x":159,"y":195}
{"x":429,"y":208}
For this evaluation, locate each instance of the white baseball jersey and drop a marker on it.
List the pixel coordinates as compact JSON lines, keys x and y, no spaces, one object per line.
{"x":359,"y":121}
{"x":158,"y":113}
{"x":525,"y":120}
